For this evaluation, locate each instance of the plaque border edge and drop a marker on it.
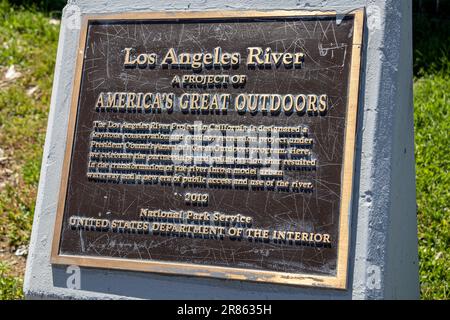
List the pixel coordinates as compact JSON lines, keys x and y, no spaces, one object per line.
{"x":340,"y":281}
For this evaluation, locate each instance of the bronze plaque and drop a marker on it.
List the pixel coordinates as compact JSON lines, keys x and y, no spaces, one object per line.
{"x":214,"y":144}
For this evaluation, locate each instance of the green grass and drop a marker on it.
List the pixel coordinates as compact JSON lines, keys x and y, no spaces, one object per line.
{"x":10,"y":286}
{"x":29,"y":42}
{"x":432,"y":144}
{"x":432,"y":139}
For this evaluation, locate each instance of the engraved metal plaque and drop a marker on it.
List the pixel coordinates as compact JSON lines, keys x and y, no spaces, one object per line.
{"x":215,"y":144}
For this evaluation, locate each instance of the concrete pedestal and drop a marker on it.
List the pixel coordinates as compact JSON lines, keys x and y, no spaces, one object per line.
{"x":383,"y":257}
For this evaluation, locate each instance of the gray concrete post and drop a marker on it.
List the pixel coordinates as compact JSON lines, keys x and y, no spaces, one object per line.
{"x":383,"y":250}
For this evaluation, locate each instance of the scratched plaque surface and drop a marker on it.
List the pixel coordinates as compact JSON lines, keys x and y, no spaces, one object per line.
{"x":290,"y":234}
